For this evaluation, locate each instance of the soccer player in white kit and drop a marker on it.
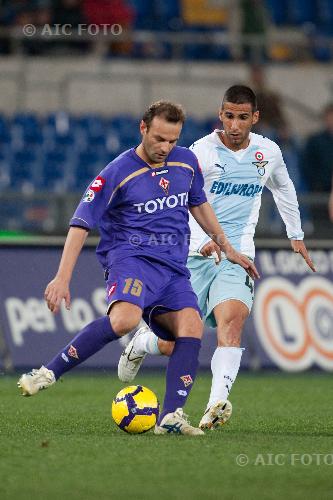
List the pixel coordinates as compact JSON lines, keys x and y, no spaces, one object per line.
{"x":236,"y":165}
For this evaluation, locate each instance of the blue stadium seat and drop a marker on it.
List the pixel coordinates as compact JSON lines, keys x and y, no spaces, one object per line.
{"x":4,"y":130}
{"x":325,"y":16}
{"x":23,"y":170}
{"x":26,"y":120}
{"x":5,"y":135}
{"x":64,"y":140}
{"x":145,"y":14}
{"x":61,"y":121}
{"x":127,"y":127}
{"x":113,"y":144}
{"x":192,"y":130}
{"x":167,"y":15}
{"x":88,"y":164}
{"x":278,"y":11}
{"x":33,"y":137}
{"x":54,"y":170}
{"x":93,"y":124}
{"x":97,"y":141}
{"x":301,"y":11}
{"x":4,"y":168}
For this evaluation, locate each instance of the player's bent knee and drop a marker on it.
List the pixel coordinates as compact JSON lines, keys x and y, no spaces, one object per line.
{"x":124,"y":317}
{"x":195,"y":330}
{"x":121,"y":326}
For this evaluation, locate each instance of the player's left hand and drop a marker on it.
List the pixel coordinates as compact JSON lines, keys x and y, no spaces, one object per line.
{"x":299,"y":247}
{"x":238,"y":258}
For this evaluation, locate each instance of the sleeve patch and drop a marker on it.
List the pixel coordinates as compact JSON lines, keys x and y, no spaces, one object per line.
{"x":98,"y":184}
{"x":89,"y":196}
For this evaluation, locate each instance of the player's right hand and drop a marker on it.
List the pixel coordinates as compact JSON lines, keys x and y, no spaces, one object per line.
{"x":57,"y":291}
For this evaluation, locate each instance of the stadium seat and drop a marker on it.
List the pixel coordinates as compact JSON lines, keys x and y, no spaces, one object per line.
{"x":23,"y":170}
{"x":325,"y":16}
{"x":4,"y":130}
{"x":61,"y":121}
{"x":54,"y":174}
{"x":87,"y":165}
{"x":52,"y":157}
{"x":301,"y":11}
{"x":127,"y":127}
{"x":278,"y":11}
{"x":26,"y":121}
{"x":5,"y":136}
{"x":93,"y":124}
{"x":33,"y":137}
{"x":145,"y":17}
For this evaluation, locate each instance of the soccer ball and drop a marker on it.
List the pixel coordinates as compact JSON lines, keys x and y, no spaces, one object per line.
{"x":135,"y":409}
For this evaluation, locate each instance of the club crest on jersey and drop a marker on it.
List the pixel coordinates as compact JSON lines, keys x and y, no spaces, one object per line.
{"x":164,"y":183}
{"x":72,"y":352}
{"x":89,"y":196}
{"x":260,"y":163}
{"x":187,"y":379}
{"x":260,"y":166}
{"x":98,"y":184}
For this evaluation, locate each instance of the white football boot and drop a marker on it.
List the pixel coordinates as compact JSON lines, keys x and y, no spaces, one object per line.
{"x":130,"y":361}
{"x":36,"y":380}
{"x":216,"y":415}
{"x":177,"y":423}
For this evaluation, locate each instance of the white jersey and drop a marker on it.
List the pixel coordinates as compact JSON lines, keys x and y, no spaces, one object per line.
{"x":234,"y":181}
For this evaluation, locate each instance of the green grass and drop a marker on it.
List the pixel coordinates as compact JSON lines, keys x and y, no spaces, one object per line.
{"x":62,"y":444}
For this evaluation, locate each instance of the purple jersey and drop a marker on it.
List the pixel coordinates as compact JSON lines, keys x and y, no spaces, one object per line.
{"x":143,"y":211}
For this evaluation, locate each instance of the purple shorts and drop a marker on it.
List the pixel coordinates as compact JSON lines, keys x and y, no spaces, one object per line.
{"x":152,"y":286}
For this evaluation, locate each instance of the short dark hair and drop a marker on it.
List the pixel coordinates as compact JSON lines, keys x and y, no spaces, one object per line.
{"x":240,"y":94}
{"x":168,"y":110}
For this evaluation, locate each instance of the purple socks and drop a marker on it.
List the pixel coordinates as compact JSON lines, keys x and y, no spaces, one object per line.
{"x":181,"y":373}
{"x":86,"y":343}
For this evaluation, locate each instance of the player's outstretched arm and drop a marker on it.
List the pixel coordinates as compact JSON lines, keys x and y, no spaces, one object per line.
{"x":299,"y":247}
{"x":206,"y":218}
{"x":58,"y":289}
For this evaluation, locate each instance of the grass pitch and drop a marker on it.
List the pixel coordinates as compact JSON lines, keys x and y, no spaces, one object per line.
{"x":62,"y":444}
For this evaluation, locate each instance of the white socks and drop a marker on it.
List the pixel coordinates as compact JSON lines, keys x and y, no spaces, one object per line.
{"x":225,"y":365}
{"x":147,"y":341}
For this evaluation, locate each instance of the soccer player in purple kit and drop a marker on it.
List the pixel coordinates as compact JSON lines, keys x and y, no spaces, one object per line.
{"x":140,"y":204}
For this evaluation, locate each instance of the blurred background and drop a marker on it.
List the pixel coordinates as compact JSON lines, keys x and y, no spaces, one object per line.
{"x":76,"y":76}
{"x":73,"y":89}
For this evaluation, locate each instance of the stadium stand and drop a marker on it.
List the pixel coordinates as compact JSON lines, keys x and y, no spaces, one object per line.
{"x":149,"y":23}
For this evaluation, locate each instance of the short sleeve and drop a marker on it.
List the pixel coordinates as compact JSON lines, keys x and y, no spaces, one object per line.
{"x":95,"y":200}
{"x":197,"y":194}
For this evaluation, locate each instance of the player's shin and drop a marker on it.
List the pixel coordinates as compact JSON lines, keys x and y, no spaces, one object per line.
{"x":181,"y":373}
{"x":86,"y":343}
{"x":225,"y":365}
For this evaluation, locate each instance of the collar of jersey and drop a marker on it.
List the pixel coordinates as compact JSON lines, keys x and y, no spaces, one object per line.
{"x":219,"y":143}
{"x":159,"y":165}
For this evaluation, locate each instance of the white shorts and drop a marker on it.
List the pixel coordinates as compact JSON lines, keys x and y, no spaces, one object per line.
{"x":214,"y":284}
